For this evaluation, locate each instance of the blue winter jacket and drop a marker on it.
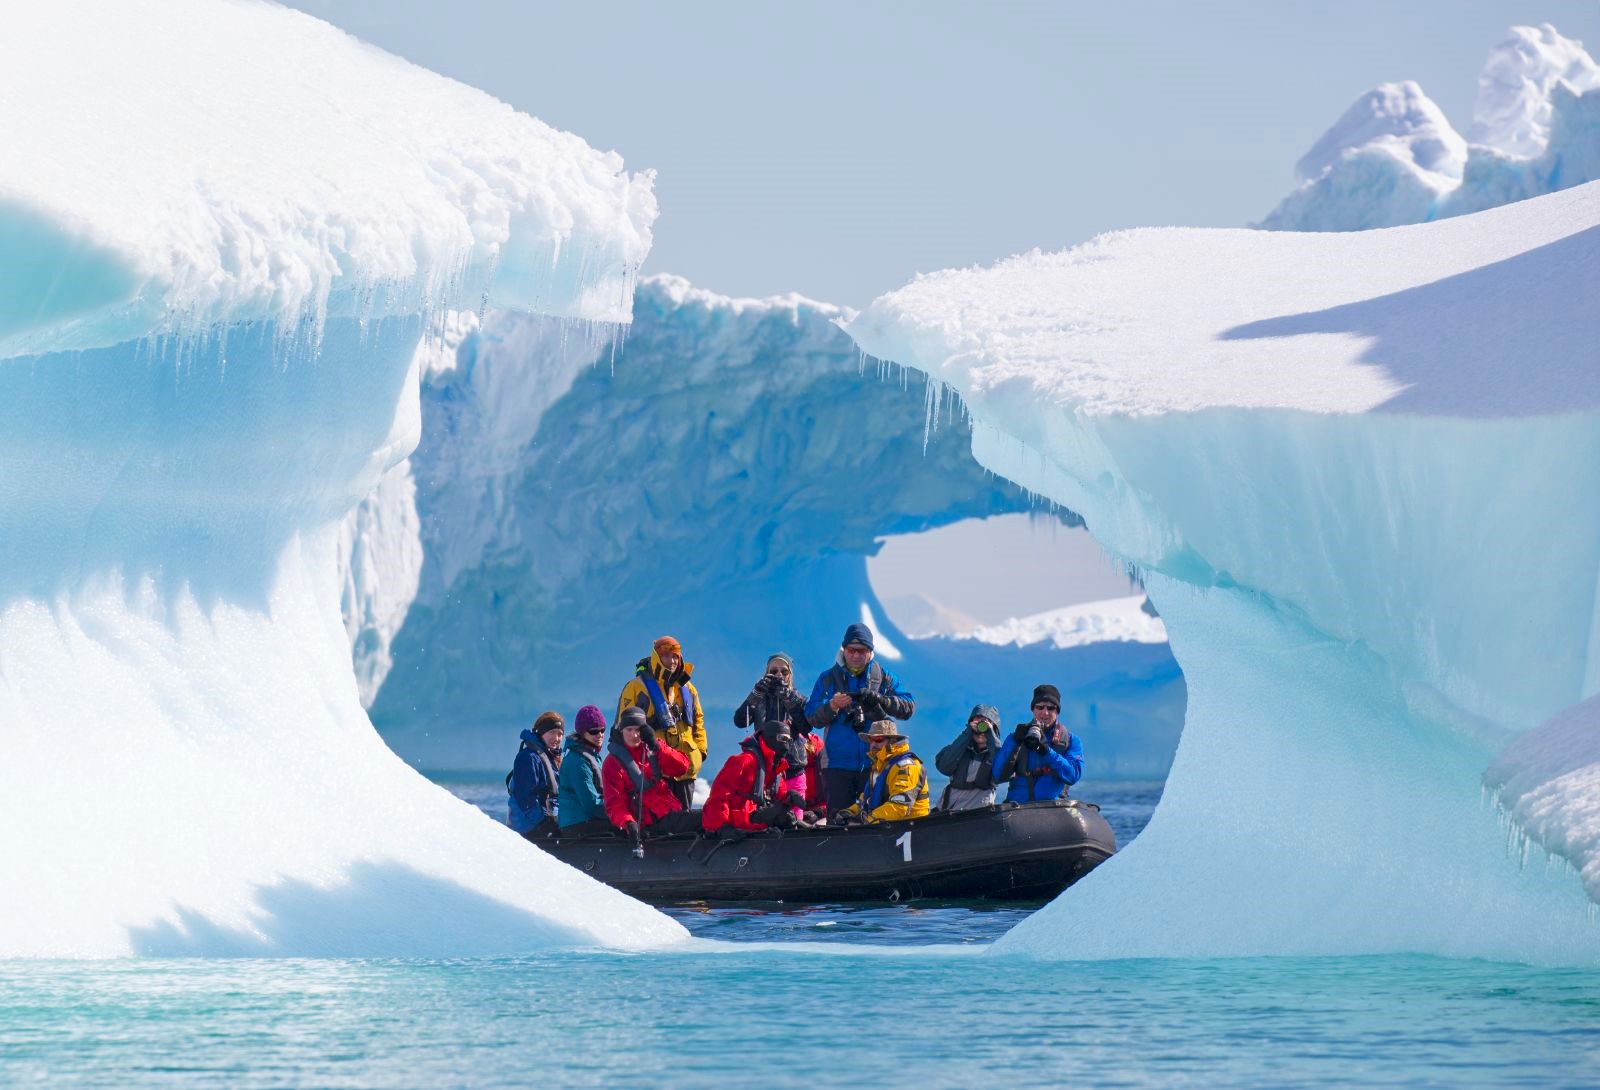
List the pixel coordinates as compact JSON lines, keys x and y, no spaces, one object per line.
{"x":1038,"y":776}
{"x":580,"y":794}
{"x":842,"y":745}
{"x":531,"y":787}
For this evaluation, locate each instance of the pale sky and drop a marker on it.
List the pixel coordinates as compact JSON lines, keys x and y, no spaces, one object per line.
{"x":838,"y":148}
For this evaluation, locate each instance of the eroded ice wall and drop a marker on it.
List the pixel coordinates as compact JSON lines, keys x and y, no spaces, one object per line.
{"x":225,"y":228}
{"x":1361,"y":473}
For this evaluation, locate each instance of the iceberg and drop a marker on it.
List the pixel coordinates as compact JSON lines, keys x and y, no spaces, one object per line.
{"x":1360,"y":474}
{"x":225,"y":231}
{"x":1394,"y":158}
{"x":724,"y":474}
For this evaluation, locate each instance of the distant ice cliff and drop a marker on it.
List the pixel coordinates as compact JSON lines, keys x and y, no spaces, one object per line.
{"x":1394,"y":158}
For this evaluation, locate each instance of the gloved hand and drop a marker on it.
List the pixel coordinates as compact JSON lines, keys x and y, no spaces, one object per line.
{"x":630,"y":829}
{"x":768,"y":814}
{"x":871,"y":706}
{"x":1034,"y":738}
{"x":647,"y":735}
{"x":842,"y":817}
{"x":794,"y":798}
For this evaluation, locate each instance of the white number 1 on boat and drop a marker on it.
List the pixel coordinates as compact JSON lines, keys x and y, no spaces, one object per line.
{"x":905,"y":845}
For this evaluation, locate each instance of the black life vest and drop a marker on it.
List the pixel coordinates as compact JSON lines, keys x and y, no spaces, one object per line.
{"x":975,"y":770}
{"x":874,"y":683}
{"x":758,"y":789}
{"x":642,"y":781}
{"x":1032,"y":775}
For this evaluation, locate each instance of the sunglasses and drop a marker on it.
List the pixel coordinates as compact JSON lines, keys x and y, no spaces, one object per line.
{"x":595,"y":730}
{"x":1044,"y":707}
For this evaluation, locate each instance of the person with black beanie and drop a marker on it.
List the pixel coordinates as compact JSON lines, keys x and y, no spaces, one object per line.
{"x":1041,"y":759}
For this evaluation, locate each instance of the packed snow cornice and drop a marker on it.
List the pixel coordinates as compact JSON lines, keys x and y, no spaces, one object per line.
{"x":188,"y":163}
{"x":1422,"y":320}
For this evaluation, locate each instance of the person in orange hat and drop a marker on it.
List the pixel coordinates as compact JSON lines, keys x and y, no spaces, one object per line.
{"x":662,"y":690}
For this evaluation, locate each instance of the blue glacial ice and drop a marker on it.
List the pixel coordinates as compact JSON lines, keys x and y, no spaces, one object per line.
{"x":571,"y":499}
{"x":226,"y":230}
{"x":1361,"y":475}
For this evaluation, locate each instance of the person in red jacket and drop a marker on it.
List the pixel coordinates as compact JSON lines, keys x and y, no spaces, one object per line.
{"x":634,"y":780}
{"x":749,"y":793}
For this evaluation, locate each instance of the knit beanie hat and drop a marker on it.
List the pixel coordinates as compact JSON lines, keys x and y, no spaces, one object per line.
{"x":549,"y":721}
{"x":779,"y":656}
{"x":590,"y":718}
{"x":1046,"y":694}
{"x":857,"y":633}
{"x":668,"y":644}
{"x":632,"y":716}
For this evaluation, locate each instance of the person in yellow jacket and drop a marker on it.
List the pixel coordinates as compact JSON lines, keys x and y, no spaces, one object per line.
{"x":897,"y":787}
{"x":662,"y":690}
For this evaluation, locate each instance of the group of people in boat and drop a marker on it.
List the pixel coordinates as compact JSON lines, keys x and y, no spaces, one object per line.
{"x":838,"y":756}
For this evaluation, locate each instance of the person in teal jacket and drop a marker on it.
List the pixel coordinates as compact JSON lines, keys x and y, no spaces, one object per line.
{"x":582,"y":806}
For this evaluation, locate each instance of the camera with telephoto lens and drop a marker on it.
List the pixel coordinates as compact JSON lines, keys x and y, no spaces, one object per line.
{"x":1033,"y":738}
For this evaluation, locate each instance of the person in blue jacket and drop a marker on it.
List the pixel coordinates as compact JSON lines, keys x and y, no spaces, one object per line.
{"x":850,"y":695}
{"x":532,"y":784}
{"x":582,"y":804}
{"x":1041,"y":758}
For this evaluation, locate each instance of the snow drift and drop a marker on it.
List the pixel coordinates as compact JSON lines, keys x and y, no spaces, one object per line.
{"x":724,"y":474}
{"x":1361,"y":474}
{"x":225,"y":229}
{"x":1394,"y":158}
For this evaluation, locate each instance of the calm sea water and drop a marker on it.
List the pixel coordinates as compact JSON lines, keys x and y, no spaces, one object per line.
{"x":868,"y":996}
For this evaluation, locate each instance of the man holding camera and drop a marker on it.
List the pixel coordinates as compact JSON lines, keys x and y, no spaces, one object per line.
{"x":1041,"y":758}
{"x":850,"y":694}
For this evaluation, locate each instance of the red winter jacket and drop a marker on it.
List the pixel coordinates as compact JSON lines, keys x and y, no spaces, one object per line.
{"x":622,"y":805}
{"x":730,"y":802}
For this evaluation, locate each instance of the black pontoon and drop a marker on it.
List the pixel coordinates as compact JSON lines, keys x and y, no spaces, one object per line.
{"x":1006,"y":852}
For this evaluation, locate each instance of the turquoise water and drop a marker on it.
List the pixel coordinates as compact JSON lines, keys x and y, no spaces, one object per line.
{"x":792,"y":1016}
{"x":791,"y":996}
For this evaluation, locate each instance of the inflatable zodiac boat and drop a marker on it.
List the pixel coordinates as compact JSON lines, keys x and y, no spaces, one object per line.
{"x":1031,"y":851}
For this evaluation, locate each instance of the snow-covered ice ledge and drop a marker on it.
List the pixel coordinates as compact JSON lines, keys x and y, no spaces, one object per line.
{"x":1361,"y":474}
{"x":223,"y":228}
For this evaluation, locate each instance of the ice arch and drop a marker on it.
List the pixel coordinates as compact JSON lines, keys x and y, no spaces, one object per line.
{"x":1362,"y":476}
{"x":226,"y":228}
{"x":723,"y":474}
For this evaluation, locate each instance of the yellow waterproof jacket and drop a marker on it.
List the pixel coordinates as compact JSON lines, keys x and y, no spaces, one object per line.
{"x":677,"y":728}
{"x":897,"y":789}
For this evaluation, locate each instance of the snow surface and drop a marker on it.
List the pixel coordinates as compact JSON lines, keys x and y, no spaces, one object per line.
{"x":1117,"y":620}
{"x":1360,"y":474}
{"x":1394,"y":157}
{"x":725,"y":477}
{"x":227,"y":227}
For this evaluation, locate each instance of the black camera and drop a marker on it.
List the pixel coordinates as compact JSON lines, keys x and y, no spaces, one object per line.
{"x":1033,"y":738}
